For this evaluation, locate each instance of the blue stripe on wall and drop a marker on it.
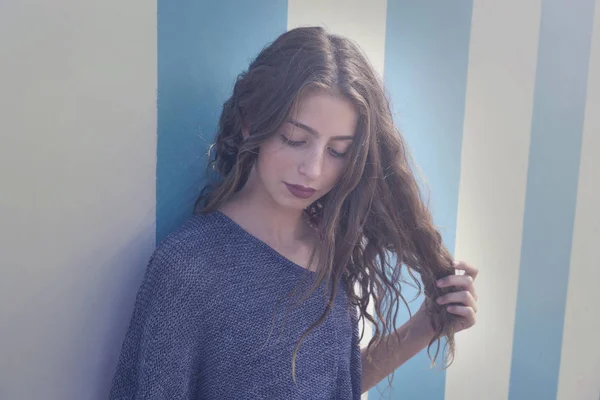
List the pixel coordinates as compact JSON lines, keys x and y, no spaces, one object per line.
{"x":426,"y":62}
{"x":556,"y":134}
{"x":202,"y":46}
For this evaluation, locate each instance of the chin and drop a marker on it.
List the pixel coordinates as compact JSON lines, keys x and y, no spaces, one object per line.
{"x":288,"y":201}
{"x":297,"y":205}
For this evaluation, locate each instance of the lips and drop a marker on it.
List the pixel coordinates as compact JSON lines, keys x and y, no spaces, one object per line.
{"x":300,"y":191}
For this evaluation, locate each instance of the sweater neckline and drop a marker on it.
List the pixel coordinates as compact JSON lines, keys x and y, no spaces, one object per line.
{"x":247,"y":235}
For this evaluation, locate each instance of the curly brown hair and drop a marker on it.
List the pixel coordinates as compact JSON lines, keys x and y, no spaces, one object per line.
{"x":373,"y":225}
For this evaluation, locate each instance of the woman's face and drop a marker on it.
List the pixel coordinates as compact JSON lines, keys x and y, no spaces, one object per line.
{"x":307,"y":156}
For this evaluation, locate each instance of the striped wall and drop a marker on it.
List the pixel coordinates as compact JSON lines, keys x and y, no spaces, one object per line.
{"x":495,"y":153}
{"x":102,"y":149}
{"x":427,"y":48}
{"x":550,"y":196}
{"x":78,"y":189}
{"x":579,"y":369}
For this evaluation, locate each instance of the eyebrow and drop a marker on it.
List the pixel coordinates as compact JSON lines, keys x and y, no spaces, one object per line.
{"x":314,"y":132}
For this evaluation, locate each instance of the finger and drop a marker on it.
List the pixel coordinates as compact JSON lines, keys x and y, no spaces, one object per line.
{"x":468,"y":268}
{"x":465,"y":298}
{"x":467,"y":312}
{"x":462,"y":281}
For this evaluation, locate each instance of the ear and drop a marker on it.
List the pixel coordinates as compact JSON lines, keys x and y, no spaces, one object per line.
{"x":245,"y":128}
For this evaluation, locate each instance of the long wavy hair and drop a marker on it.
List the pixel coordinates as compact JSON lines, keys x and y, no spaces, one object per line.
{"x":374,"y":227}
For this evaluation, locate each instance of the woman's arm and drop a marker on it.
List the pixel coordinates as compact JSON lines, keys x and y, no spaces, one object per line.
{"x":416,"y":334}
{"x":159,"y":353}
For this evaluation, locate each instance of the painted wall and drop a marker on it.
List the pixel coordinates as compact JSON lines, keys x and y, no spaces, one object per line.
{"x":108,"y":110}
{"x":78,"y":197}
{"x":522,"y":152}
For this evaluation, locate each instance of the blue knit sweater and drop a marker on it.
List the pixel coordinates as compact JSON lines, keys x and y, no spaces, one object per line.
{"x":205,"y":310}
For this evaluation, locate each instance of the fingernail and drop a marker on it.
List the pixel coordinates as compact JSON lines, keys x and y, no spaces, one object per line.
{"x":439,"y":300}
{"x":439,"y":282}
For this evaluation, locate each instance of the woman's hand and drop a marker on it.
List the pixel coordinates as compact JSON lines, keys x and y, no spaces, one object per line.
{"x":463,"y":301}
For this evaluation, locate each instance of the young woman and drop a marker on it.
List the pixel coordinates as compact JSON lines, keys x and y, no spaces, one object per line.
{"x":315,"y":212}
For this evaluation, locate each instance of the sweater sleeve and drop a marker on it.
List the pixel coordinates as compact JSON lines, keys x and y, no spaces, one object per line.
{"x":160,"y":353}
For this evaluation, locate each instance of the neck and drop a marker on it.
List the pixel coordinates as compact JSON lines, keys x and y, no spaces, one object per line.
{"x":255,"y":211}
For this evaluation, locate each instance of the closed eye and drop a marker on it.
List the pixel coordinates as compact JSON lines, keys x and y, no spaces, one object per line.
{"x":336,"y":154}
{"x":291,"y":142}
{"x":294,"y":143}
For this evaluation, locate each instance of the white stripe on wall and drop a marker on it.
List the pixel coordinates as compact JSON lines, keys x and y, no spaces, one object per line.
{"x":580,"y":358}
{"x":362,"y":21}
{"x":78,"y":171}
{"x":499,"y":106}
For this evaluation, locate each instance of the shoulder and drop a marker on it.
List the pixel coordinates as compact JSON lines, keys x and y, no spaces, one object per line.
{"x":187,"y":256}
{"x":199,"y":234}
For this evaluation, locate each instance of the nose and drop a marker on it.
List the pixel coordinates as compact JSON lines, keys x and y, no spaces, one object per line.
{"x":311,"y":164}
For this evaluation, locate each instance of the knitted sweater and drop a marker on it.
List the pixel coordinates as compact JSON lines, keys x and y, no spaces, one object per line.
{"x":204,"y":312}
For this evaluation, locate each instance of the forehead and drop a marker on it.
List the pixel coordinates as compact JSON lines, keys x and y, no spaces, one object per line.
{"x":328,"y":114}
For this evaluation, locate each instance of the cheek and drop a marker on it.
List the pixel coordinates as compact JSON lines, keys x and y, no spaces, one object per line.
{"x":275,"y":157}
{"x":335,"y":170}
